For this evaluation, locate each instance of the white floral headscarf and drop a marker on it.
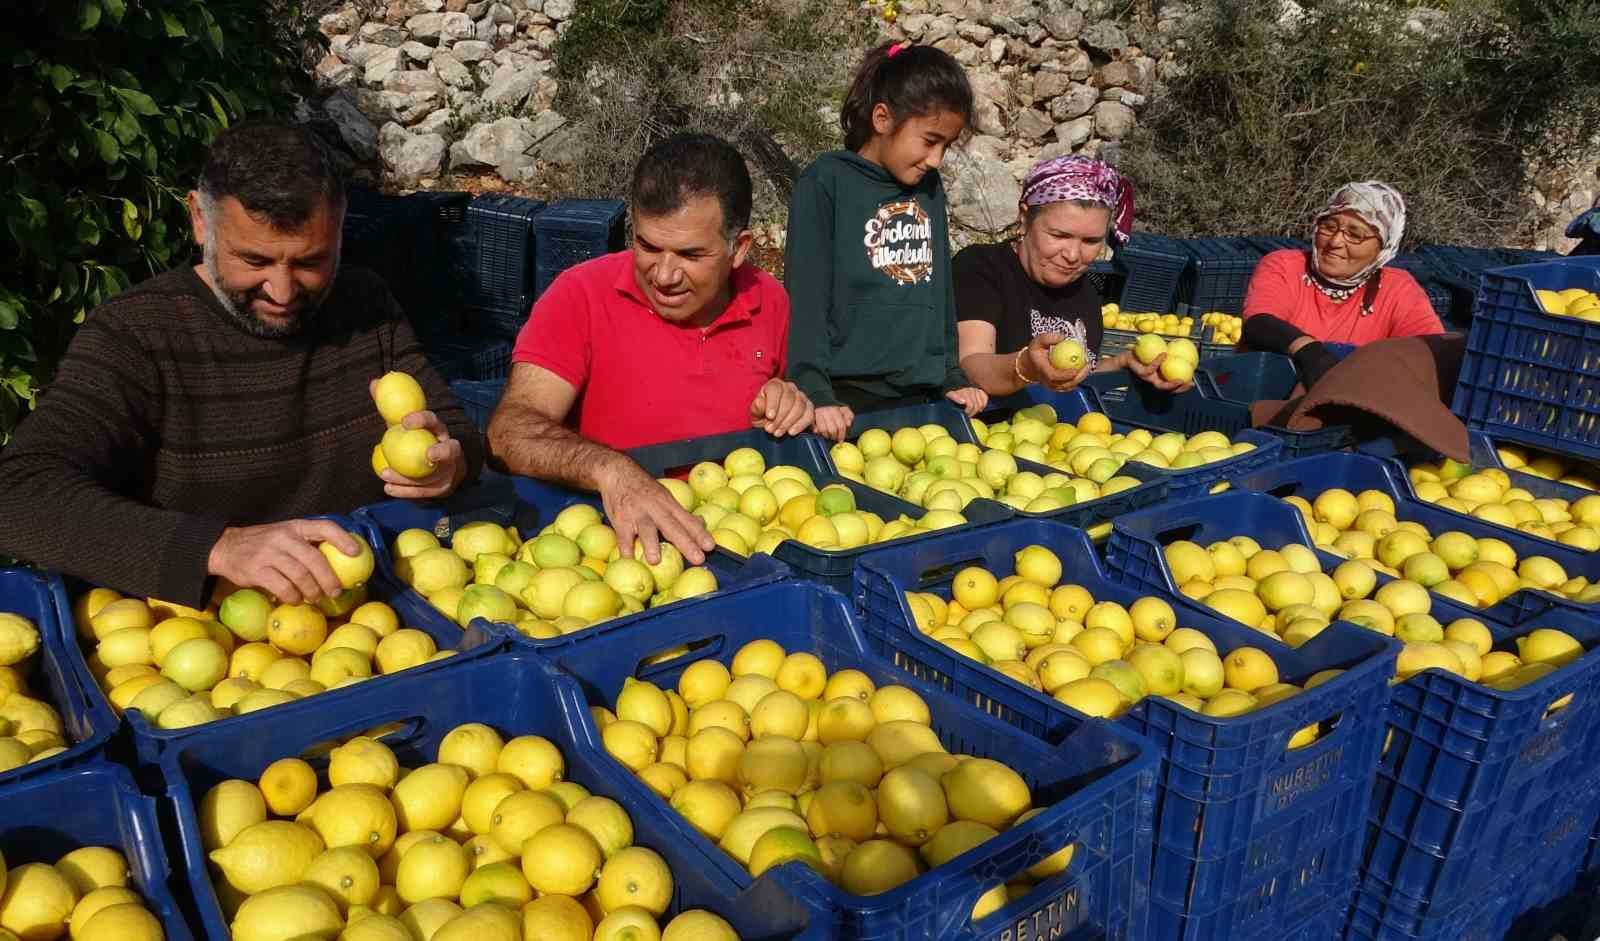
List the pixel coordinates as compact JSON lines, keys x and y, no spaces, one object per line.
{"x":1380,"y":206}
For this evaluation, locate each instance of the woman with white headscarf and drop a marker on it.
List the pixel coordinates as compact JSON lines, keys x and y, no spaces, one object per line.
{"x":1339,"y":292}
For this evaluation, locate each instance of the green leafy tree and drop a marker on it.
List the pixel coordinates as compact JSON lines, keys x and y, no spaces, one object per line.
{"x":108,"y":109}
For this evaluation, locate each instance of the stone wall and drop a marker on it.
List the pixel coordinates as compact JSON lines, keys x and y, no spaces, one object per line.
{"x":429,"y":87}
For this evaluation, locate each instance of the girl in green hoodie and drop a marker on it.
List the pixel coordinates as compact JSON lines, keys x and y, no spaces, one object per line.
{"x":867,"y":262}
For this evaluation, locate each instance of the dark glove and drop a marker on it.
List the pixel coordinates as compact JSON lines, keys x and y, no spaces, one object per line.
{"x":1312,"y":360}
{"x":1267,"y":334}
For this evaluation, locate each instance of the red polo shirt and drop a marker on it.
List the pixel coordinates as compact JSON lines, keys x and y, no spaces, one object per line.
{"x":641,"y":379}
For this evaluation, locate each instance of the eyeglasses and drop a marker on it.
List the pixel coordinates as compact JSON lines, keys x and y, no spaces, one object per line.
{"x":1327,"y":228}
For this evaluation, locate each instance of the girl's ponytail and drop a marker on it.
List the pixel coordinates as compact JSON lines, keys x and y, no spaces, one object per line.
{"x":910,"y":80}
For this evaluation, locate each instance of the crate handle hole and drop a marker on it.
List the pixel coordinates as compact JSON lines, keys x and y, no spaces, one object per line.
{"x":996,"y":897}
{"x":1178,"y":534}
{"x":672,"y":658}
{"x":1319,"y":732}
{"x":941,"y":574}
{"x":1558,"y":704}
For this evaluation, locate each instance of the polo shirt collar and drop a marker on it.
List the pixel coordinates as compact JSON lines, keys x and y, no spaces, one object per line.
{"x":743,"y":305}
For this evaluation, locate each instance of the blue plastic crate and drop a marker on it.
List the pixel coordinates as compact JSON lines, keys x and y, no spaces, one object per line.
{"x":97,"y":804}
{"x":502,"y":287}
{"x":528,"y":505}
{"x":1134,"y":551}
{"x":1181,"y":484}
{"x":516,"y":695}
{"x":1096,"y":786}
{"x":87,"y":722}
{"x":1152,"y":489}
{"x":415,"y":243}
{"x":1528,"y":376}
{"x":148,"y":743}
{"x":1476,"y":783}
{"x":573,"y":231}
{"x":1485,"y":918}
{"x":1244,"y":378}
{"x":1221,"y":801}
{"x":1219,"y":272}
{"x":831,"y":567}
{"x":1309,"y":477}
{"x":478,"y":399}
{"x":469,"y":357}
{"x":1154,"y":265}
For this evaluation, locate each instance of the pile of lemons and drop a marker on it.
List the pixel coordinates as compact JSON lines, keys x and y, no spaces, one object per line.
{"x":1283,"y":592}
{"x":1225,"y":328}
{"x":486,"y":844}
{"x":1098,"y":657}
{"x":928,"y":467}
{"x":750,"y":507}
{"x":1182,"y":356}
{"x":1112,"y":317}
{"x":567,"y":577}
{"x":1573,"y":302}
{"x":403,"y":450}
{"x":1090,"y":448}
{"x":1488,"y":494}
{"x":775,"y":760}
{"x":85,"y":896}
{"x":1477,"y":572}
{"x":30,"y":728}
{"x":182,"y":666}
{"x":1548,"y":466}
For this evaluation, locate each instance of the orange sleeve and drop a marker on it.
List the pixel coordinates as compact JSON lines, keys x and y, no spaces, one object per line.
{"x":1275,"y":286}
{"x":1410,"y":313}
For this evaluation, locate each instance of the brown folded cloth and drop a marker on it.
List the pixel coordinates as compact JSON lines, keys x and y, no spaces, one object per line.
{"x":1404,"y":384}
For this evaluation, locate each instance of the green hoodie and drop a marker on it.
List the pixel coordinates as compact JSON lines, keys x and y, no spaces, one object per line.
{"x":867,"y":268}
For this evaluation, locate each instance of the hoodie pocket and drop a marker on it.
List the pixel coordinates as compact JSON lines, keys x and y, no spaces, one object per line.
{"x":893,"y":341}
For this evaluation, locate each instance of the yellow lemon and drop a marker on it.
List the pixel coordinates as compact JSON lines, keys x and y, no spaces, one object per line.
{"x":561,"y":860}
{"x":288,"y":911}
{"x":289,"y":786}
{"x":635,"y":876}
{"x":533,"y":759}
{"x":348,"y":873}
{"x":93,"y":867}
{"x":37,"y":902}
{"x":358,"y":815}
{"x":557,"y":918}
{"x":266,"y":855}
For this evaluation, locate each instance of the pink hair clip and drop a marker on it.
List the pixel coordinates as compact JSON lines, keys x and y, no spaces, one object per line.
{"x":898,"y":48}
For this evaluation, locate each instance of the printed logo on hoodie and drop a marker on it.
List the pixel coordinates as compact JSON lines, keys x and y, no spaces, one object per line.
{"x":899,"y":242}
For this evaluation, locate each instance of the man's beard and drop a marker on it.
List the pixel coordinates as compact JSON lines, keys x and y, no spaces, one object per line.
{"x":237,"y":305}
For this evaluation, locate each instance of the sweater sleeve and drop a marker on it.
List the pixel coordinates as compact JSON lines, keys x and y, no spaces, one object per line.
{"x":409,"y":357}
{"x":808,"y":276}
{"x":72,"y":464}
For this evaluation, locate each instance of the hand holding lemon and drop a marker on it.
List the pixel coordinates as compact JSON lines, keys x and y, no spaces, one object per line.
{"x":1056,"y":361}
{"x":417,"y":459}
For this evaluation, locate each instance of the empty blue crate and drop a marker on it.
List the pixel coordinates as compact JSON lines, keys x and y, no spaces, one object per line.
{"x":86,"y":722}
{"x":1219,"y":271}
{"x":414,"y":243}
{"x":478,"y":399}
{"x":96,"y":804}
{"x":466,"y":357}
{"x":1244,"y":849}
{"x":1153,"y":265}
{"x":503,"y":241}
{"x":573,"y":231}
{"x":529,"y":506}
{"x":1529,"y":376}
{"x":514,"y":694}
{"x":1095,"y":788}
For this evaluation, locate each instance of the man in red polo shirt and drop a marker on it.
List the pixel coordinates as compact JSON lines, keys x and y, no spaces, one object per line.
{"x":675,"y":338}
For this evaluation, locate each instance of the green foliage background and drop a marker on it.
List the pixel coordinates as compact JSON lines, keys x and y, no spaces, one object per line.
{"x":109,"y":106}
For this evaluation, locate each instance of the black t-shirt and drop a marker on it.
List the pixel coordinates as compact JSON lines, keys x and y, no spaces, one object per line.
{"x":991,"y":286}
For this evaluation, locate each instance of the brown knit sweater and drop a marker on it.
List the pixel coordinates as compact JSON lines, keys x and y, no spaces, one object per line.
{"x":167,"y":423}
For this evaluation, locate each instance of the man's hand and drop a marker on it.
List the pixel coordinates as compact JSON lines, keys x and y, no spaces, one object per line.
{"x":1152,"y":375}
{"x":971,"y":399}
{"x":281,"y":559}
{"x":449,"y":464}
{"x":781,"y":409}
{"x":833,"y":421}
{"x":1037,"y":366}
{"x":638,"y":506}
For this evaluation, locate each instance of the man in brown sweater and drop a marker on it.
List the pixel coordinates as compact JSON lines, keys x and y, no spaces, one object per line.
{"x":199,"y":418}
